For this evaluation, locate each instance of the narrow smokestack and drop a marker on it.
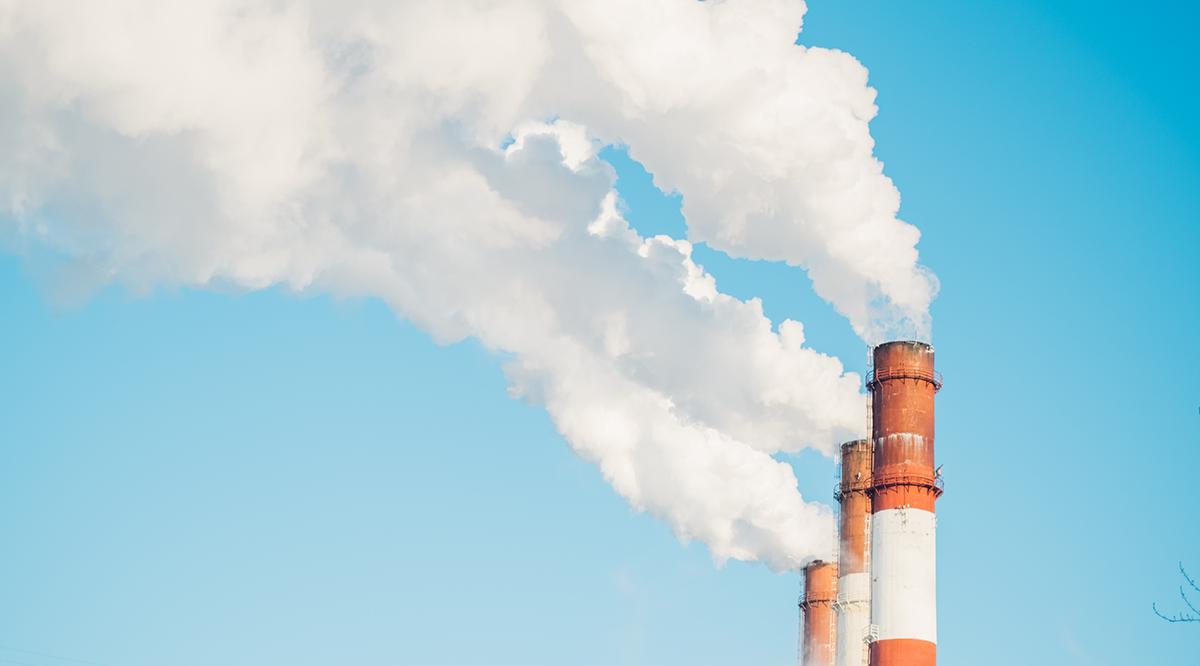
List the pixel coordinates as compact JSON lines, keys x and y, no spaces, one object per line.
{"x":854,"y":554}
{"x":820,"y":622}
{"x":903,"y":490}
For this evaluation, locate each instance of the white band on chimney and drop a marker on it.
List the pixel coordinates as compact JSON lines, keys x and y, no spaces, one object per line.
{"x":903,"y":574}
{"x":854,"y":616}
{"x":854,"y":587}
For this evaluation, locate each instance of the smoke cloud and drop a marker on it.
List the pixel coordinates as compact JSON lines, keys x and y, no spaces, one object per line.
{"x":443,"y":157}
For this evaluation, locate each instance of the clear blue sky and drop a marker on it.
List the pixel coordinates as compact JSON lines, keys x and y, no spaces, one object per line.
{"x":220,"y":478}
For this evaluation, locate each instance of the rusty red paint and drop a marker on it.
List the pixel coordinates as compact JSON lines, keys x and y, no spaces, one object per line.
{"x":903,"y":385}
{"x":820,"y":621}
{"x":904,"y":652}
{"x":854,"y":529}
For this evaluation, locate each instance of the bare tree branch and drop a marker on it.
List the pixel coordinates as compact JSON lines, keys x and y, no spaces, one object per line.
{"x":1174,"y":618}
{"x":1194,"y":616}
{"x":1188,"y":578}
{"x":1188,"y":602}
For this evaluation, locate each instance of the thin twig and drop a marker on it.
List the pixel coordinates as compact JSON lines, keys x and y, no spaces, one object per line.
{"x":1175,"y":618}
{"x":1188,"y":578}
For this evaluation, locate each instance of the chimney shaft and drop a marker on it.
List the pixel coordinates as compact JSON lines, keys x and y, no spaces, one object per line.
{"x":854,"y":553}
{"x":903,"y":490}
{"x":820,"y":593}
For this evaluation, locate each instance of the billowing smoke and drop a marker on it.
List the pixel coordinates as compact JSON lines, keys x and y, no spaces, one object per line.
{"x":442,"y":156}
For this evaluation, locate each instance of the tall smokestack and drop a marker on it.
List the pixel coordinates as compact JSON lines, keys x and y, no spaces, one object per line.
{"x":819,"y":640}
{"x":854,"y":554}
{"x":903,"y":490}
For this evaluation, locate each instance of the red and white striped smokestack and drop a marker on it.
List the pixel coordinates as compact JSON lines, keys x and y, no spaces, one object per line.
{"x":903,"y":490}
{"x":820,"y":622}
{"x":854,"y":554}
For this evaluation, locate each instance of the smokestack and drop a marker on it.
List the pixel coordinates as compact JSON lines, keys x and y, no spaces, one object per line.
{"x":854,"y":554}
{"x":903,"y":490}
{"x":820,"y":592}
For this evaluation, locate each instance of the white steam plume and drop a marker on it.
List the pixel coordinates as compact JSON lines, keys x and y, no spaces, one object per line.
{"x":442,"y":157}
